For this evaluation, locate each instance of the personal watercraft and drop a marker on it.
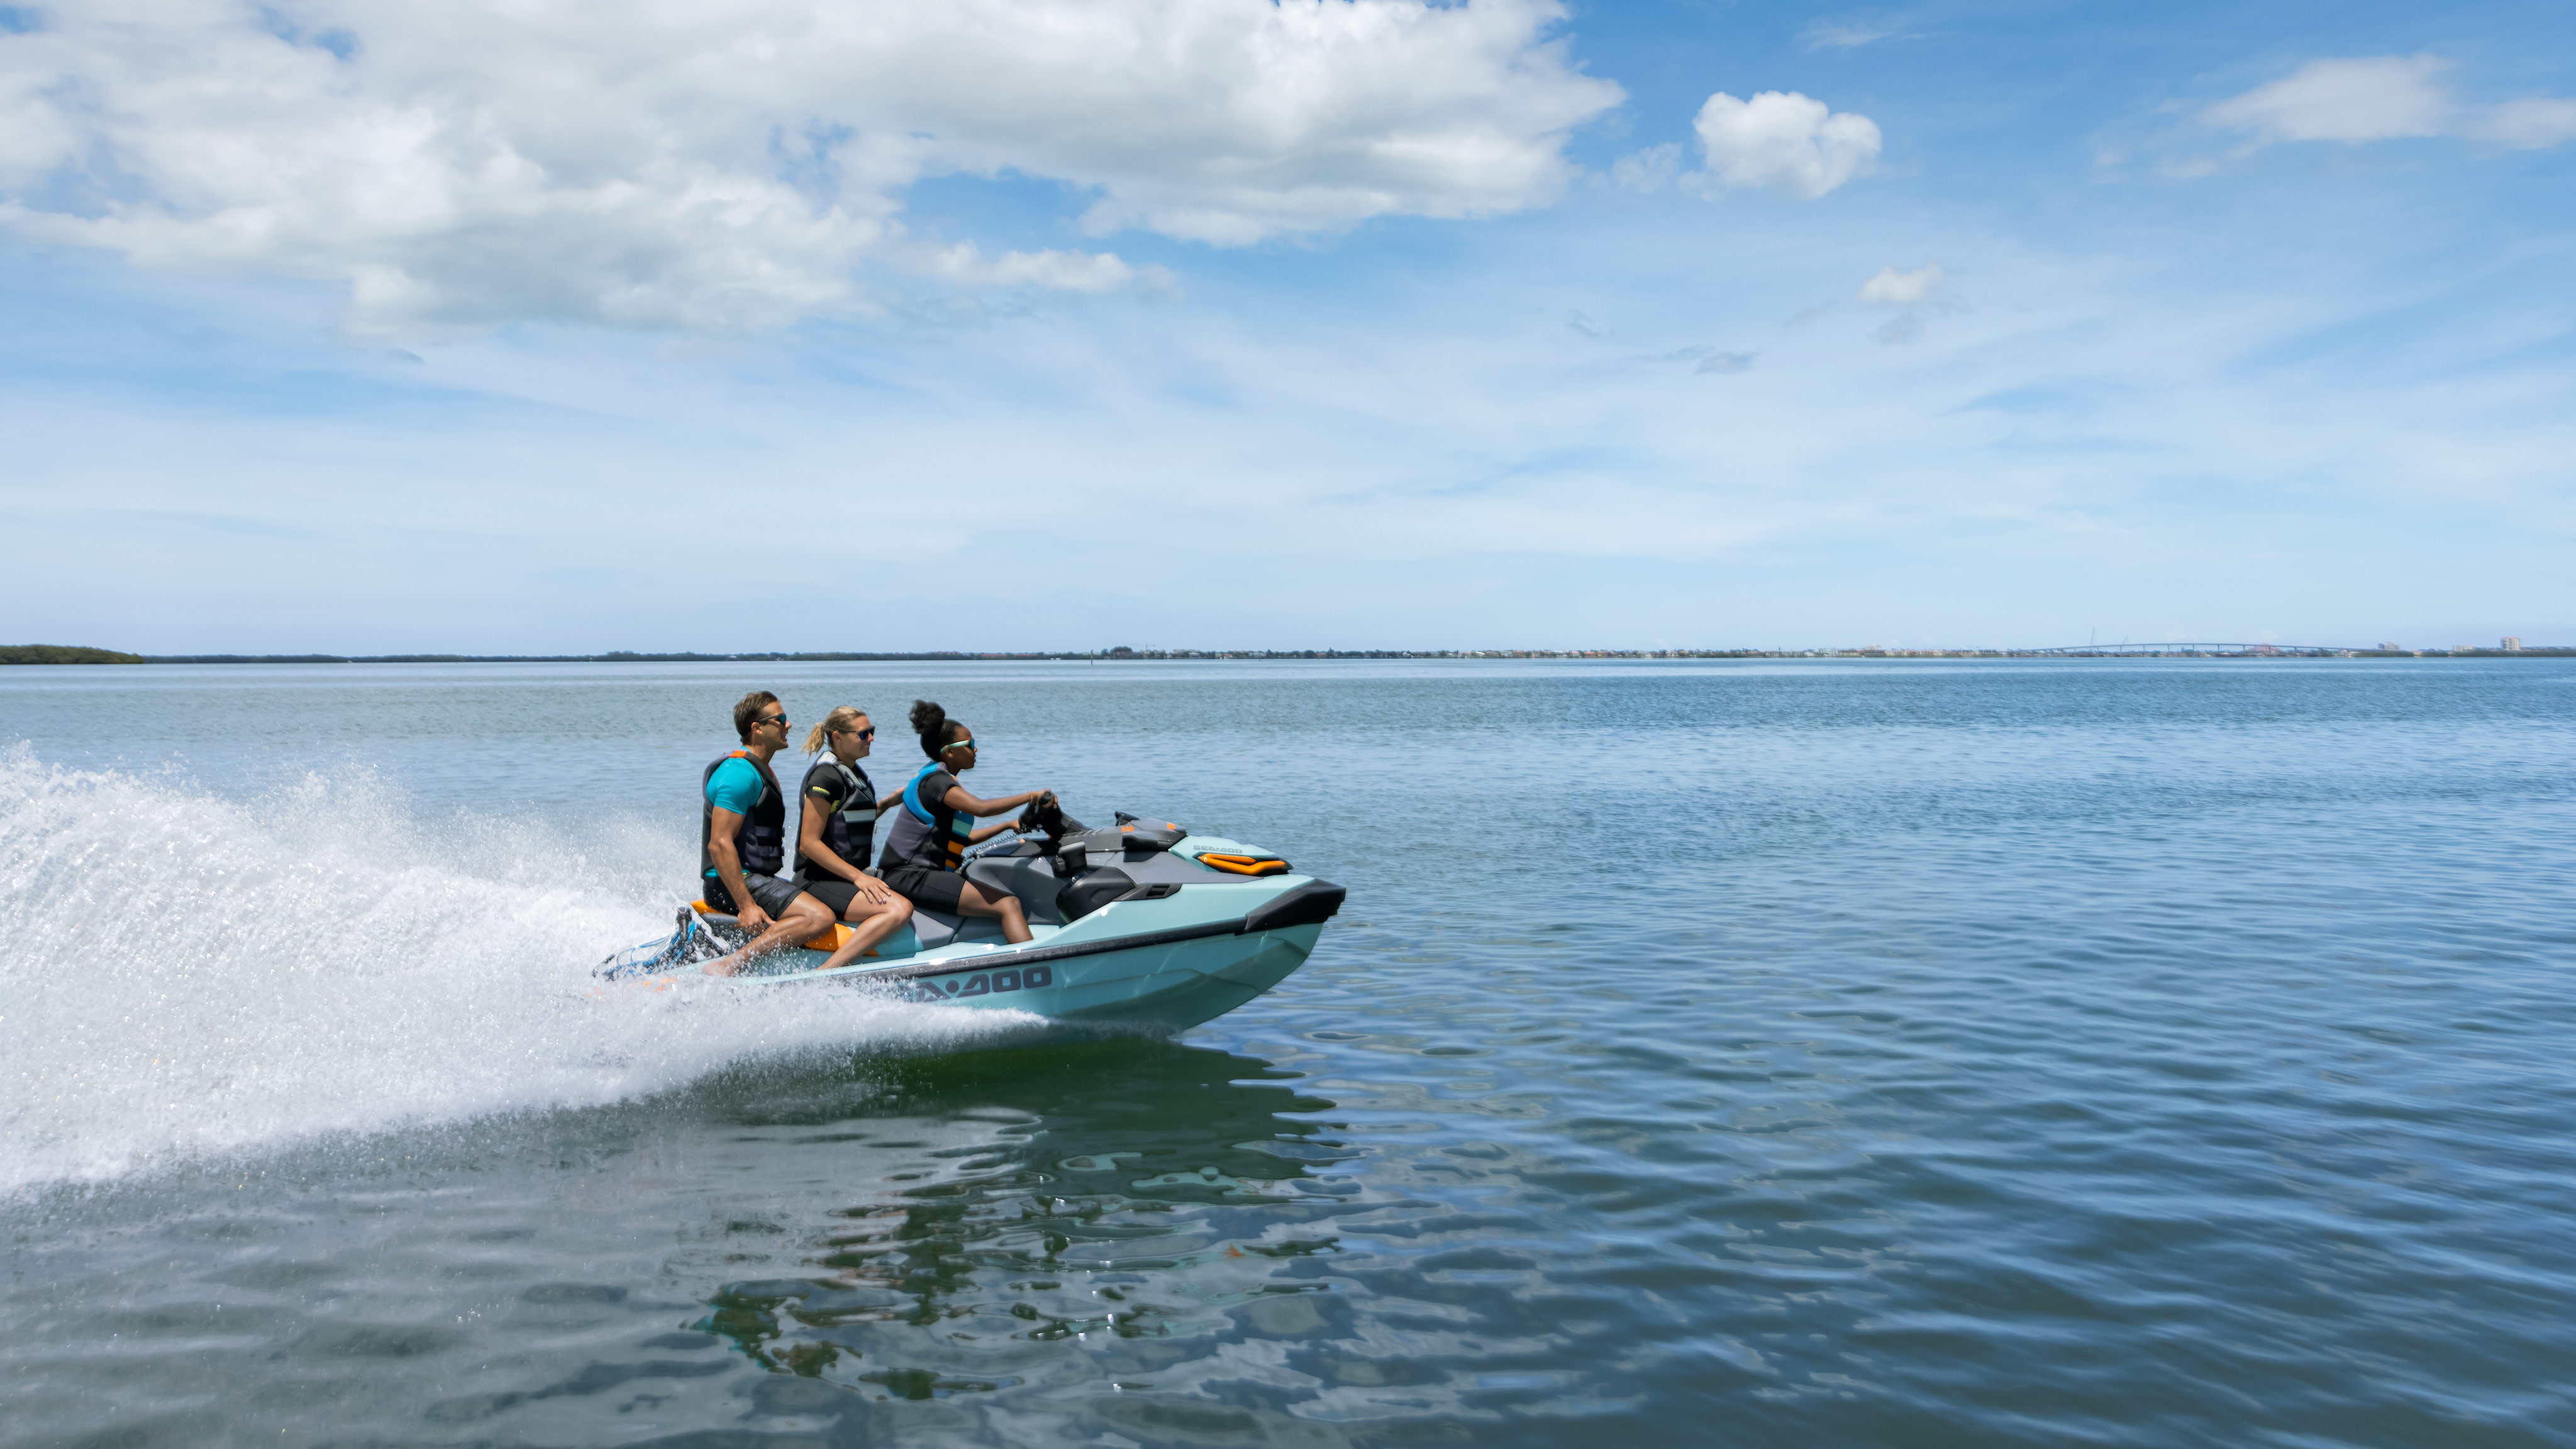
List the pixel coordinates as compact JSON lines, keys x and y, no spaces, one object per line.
{"x":1141,"y":925}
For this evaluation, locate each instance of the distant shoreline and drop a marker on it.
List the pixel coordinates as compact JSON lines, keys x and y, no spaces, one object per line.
{"x":67,"y":654}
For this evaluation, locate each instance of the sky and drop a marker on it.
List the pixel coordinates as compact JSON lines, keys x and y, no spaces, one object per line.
{"x":741,"y":325}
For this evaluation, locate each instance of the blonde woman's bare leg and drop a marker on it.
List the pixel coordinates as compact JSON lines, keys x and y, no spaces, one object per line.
{"x":874,"y":916}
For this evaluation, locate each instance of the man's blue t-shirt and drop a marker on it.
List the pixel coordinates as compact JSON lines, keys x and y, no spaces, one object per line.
{"x":735,"y":786}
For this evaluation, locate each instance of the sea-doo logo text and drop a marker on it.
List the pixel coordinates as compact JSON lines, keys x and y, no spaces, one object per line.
{"x":982,"y":983}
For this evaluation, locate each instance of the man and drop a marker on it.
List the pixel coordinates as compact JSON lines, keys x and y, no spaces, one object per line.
{"x":745,"y":851}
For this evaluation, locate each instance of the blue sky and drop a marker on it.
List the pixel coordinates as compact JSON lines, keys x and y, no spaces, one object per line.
{"x":395,"y":327}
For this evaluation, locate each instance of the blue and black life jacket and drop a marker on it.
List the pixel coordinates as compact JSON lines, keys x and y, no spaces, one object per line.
{"x":937,"y":837}
{"x":761,"y":840}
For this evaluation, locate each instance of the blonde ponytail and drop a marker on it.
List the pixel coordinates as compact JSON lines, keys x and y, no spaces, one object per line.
{"x":819,"y":738}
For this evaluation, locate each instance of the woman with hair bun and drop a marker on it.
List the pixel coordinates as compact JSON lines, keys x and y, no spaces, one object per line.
{"x":925,"y":853}
{"x":839,"y":825}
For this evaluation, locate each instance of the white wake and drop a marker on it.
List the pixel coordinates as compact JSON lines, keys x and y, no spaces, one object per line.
{"x":184,"y":975}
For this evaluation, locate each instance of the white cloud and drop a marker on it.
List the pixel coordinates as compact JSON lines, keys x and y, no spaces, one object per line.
{"x":1892,"y":288}
{"x":2382,"y":98}
{"x":1904,"y":327}
{"x":1402,"y":457}
{"x":1707,"y":359}
{"x":1846,"y":35}
{"x":2344,"y":100}
{"x":2529,"y":125}
{"x":1652,"y":169}
{"x":719,"y":163}
{"x":1909,"y":295}
{"x":1064,"y":271}
{"x":1783,"y":141}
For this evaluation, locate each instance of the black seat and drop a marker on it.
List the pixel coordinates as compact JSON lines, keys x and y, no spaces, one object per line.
{"x":1030,"y":877}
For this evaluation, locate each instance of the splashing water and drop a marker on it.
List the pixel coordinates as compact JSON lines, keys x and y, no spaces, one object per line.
{"x":183,"y":975}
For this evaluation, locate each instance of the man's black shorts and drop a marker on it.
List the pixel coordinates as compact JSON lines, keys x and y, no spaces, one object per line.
{"x":772,"y":893}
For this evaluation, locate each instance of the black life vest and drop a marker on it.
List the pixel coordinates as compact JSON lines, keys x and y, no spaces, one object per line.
{"x":848,"y":832}
{"x":761,"y":840}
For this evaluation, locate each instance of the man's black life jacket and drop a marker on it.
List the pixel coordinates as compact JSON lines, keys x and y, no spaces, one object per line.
{"x":761,"y":840}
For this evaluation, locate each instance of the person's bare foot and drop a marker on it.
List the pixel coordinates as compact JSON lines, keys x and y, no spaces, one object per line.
{"x":722,"y":966}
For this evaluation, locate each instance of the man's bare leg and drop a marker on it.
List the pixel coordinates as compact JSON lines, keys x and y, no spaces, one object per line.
{"x":804,"y":919}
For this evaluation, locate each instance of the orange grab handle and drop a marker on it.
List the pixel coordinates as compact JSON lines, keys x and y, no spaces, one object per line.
{"x":1244,"y":864}
{"x":828,"y":942}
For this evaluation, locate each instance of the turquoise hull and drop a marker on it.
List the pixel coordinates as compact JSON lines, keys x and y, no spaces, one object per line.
{"x":1156,"y":965}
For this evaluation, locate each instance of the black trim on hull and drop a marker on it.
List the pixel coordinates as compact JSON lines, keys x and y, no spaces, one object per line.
{"x":1313,"y":903}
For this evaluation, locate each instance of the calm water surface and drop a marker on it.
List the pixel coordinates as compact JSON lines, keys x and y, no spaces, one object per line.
{"x":1909,"y":1054}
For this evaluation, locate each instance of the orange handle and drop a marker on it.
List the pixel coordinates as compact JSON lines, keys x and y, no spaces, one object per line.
{"x":1244,"y":864}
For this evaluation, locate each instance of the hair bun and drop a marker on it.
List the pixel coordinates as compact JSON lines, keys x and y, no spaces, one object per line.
{"x":931,"y":723}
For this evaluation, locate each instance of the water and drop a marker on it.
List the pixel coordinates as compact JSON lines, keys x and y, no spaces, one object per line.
{"x":2141,"y":1053}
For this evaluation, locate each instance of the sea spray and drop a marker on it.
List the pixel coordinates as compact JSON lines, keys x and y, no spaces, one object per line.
{"x":185,"y":974}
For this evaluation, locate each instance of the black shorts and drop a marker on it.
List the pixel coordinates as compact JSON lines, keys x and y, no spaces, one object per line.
{"x":774,"y":895}
{"x":927,"y":889}
{"x":834,"y":893}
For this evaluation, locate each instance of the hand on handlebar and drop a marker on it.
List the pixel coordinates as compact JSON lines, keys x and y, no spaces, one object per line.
{"x":1043,"y":799}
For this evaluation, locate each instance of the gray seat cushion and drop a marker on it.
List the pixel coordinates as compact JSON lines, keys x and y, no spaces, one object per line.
{"x":935,"y":928}
{"x":1030,"y":877}
{"x":1164,"y":868}
{"x":1033,"y":879}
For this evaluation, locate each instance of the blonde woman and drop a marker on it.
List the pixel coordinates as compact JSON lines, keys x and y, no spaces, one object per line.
{"x":838,"y":829}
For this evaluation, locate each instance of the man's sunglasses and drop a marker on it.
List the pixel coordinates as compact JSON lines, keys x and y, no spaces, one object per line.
{"x":771,"y":719}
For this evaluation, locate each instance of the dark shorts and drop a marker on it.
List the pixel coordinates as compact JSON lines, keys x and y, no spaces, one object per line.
{"x":834,"y":893}
{"x":773,"y":894}
{"x":928,"y":890}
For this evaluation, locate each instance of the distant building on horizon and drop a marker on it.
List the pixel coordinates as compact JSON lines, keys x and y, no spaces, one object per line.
{"x":2512,"y":643}
{"x":2391,"y":648}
